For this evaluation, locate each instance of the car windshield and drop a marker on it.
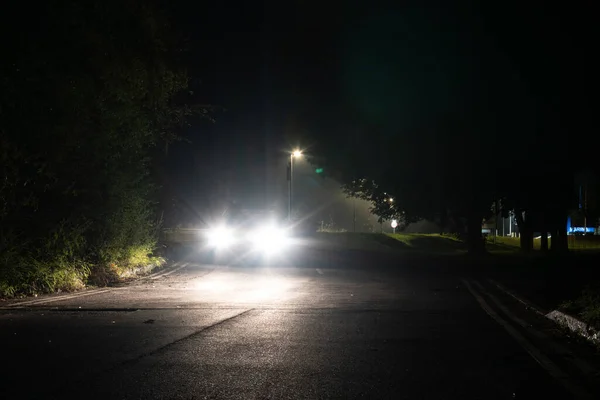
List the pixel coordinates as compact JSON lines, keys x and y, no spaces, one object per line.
{"x":251,"y":218}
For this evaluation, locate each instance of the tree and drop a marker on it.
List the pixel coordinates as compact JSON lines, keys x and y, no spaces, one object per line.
{"x":382,"y":204}
{"x":430,"y":172}
{"x":497,"y":130}
{"x":82,"y":108}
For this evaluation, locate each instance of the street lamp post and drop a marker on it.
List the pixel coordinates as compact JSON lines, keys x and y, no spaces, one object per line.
{"x":294,"y":154}
{"x":354,"y":214}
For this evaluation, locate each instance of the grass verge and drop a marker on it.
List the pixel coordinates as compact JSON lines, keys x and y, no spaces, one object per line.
{"x":445,"y":244}
{"x":425,"y":243}
{"x":576,"y":243}
{"x":30,"y":274}
{"x":433,"y":243}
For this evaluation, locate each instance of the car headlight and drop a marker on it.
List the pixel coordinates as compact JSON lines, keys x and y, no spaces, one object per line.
{"x":268,"y":239}
{"x":220,"y":237}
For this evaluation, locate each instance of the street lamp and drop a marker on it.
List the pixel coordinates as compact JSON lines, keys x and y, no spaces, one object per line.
{"x":294,"y":154}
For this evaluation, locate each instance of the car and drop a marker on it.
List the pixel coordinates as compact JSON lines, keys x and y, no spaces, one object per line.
{"x":247,"y":237}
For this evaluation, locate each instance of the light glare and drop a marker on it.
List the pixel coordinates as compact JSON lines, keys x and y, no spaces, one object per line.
{"x":268,"y":239}
{"x":220,"y":237}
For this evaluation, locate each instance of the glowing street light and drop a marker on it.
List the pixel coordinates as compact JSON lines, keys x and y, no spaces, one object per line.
{"x":294,"y":154}
{"x":394,"y":225}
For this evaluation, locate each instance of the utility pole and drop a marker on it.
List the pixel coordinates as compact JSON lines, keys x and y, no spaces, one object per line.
{"x":289,"y":179}
{"x":354,"y":214}
{"x":296,"y":154}
{"x":585,"y":211}
{"x":496,"y":221}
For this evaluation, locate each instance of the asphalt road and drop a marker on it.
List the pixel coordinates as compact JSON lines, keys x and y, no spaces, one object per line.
{"x":402,"y":329}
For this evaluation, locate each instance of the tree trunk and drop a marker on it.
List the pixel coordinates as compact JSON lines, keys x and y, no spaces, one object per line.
{"x":459,"y":226}
{"x":444,"y":222}
{"x":525,"y":232}
{"x":555,"y":240}
{"x":560,"y":243}
{"x":526,"y":238}
{"x":475,"y":243}
{"x":544,"y":241}
{"x":563,"y":241}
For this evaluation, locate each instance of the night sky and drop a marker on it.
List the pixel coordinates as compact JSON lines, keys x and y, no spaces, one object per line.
{"x":281,"y":69}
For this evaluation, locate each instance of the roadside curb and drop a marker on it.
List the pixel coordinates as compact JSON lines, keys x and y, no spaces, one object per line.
{"x":161,"y":270}
{"x":167,"y":271}
{"x":575,"y":325}
{"x":579,"y":327}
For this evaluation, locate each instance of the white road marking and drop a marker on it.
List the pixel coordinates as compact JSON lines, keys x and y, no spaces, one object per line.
{"x":167,"y":273}
{"x":527,"y":304}
{"x":59,"y":298}
{"x":533,"y":351}
{"x":583,"y":365}
{"x":319,"y":271}
{"x":161,"y":271}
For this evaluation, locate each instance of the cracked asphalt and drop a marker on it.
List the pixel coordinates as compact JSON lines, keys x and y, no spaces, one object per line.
{"x":361,"y":328}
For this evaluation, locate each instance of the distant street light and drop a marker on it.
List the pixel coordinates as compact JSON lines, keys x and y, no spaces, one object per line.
{"x":294,"y":154}
{"x":391,"y":200}
{"x":394,"y":225}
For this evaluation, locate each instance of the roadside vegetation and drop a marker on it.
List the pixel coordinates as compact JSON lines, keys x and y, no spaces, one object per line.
{"x":435,"y":163}
{"x":586,"y":306}
{"x":84,"y":113}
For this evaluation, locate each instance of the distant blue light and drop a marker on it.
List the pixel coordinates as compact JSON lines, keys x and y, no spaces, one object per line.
{"x":581,"y":229}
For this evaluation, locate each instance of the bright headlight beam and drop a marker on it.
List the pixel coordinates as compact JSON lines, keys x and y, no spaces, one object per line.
{"x":268,"y":239}
{"x":220,"y":237}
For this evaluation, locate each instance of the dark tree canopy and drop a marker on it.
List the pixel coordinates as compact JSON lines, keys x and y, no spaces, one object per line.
{"x":86,"y":101}
{"x":451,"y":109}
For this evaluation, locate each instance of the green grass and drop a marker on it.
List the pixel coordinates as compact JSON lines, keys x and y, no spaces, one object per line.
{"x":578,"y":243}
{"x":584,"y":242}
{"x":507,"y":241}
{"x":504,"y":245}
{"x":435,"y":243}
{"x":443,"y":244}
{"x":351,"y":240}
{"x":427,"y":243}
{"x":29,"y":273}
